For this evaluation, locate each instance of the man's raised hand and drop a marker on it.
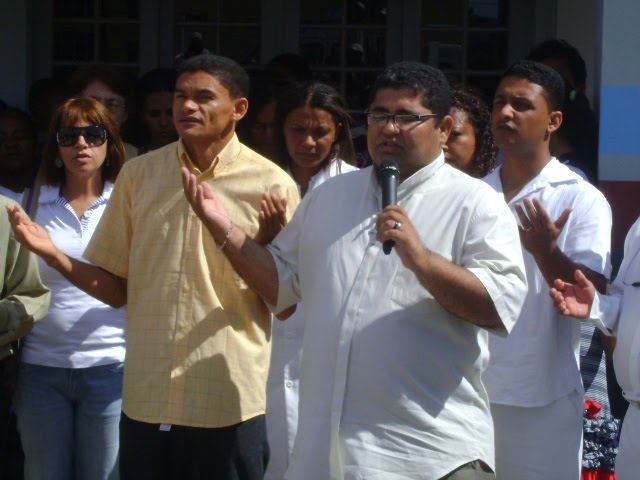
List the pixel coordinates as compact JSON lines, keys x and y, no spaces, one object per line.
{"x":206,"y":205}
{"x":538,"y":232}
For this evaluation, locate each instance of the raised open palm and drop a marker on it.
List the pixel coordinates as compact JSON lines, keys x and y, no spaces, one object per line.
{"x":30,"y":234}
{"x":574,"y":299}
{"x":206,"y":204}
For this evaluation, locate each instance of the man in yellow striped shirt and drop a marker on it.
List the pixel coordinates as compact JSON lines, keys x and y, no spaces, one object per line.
{"x":198,"y":337}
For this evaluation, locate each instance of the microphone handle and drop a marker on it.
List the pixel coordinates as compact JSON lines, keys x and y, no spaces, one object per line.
{"x":389,"y":197}
{"x":387,"y":246}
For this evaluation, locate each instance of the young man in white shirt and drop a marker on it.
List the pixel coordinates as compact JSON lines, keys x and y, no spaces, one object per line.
{"x":533,"y":378}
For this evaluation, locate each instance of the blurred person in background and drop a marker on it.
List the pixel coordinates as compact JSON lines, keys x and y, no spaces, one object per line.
{"x":155,"y":109}
{"x":470,"y":146}
{"x":258,"y":129}
{"x":111,"y":87}
{"x":18,"y":153}
{"x":581,"y":135}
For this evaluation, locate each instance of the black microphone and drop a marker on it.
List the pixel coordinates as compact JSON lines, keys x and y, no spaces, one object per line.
{"x":388,"y":175}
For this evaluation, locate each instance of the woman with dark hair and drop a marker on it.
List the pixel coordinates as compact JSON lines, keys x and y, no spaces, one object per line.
{"x":315,"y":145}
{"x":68,"y":397}
{"x":470,"y":146}
{"x":315,"y":134}
{"x":155,"y":106}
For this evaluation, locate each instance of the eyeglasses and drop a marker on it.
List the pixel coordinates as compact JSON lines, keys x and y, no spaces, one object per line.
{"x":400,"y":120}
{"x":94,"y":135}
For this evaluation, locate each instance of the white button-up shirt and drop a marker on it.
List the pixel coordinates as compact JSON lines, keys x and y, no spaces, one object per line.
{"x":539,"y":362}
{"x":619,"y":312}
{"x":284,"y":371}
{"x":390,"y":381}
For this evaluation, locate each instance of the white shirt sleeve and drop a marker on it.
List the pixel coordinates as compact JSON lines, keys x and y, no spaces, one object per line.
{"x":285,"y":249}
{"x":493,"y":254}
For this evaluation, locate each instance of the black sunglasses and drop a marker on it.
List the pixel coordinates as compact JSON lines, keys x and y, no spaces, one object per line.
{"x":94,"y":135}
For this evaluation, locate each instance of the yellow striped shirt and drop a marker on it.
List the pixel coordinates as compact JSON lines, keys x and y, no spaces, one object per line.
{"x":198,"y":339}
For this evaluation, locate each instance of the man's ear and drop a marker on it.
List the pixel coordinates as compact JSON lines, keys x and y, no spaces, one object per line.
{"x":446,"y":125}
{"x":555,"y":120}
{"x":241,"y":106}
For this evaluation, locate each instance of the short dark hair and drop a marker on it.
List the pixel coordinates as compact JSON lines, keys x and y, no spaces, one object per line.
{"x":468,"y":100}
{"x":534,"y":72}
{"x":423,"y":79}
{"x":228,"y":72}
{"x":559,"y":48}
{"x":322,"y":96}
{"x":94,"y":113}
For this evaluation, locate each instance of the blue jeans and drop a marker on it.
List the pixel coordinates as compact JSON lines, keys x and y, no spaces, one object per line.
{"x":68,"y":420}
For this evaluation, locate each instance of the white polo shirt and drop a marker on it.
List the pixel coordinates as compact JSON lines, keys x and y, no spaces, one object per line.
{"x":79,"y":331}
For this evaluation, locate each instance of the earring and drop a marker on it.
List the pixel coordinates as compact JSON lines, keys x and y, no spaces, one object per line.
{"x":58,"y":162}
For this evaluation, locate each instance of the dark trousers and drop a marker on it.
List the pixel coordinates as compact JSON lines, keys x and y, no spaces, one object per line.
{"x":238,"y":452}
{"x":11,"y":456}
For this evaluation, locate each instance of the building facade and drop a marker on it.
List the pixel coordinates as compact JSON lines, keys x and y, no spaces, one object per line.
{"x":347,"y":42}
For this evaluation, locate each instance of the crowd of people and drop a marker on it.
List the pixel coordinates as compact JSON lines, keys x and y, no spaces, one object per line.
{"x":195,"y":284}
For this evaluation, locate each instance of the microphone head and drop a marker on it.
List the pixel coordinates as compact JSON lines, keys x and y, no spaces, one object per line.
{"x":388,"y":168}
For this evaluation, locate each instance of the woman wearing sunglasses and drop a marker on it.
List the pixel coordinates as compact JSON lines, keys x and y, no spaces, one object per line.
{"x":70,"y":379}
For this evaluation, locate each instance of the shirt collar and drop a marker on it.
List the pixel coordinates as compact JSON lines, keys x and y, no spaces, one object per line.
{"x":226,"y":157}
{"x":50,"y":193}
{"x":554,"y":172}
{"x":330,"y":170}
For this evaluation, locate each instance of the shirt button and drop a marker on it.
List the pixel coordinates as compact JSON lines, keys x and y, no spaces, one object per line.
{"x":288,"y":384}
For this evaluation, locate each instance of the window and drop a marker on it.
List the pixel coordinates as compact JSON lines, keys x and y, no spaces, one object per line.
{"x":226,"y":27}
{"x":467,"y":39}
{"x":345,"y":44}
{"x":88,"y":31}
